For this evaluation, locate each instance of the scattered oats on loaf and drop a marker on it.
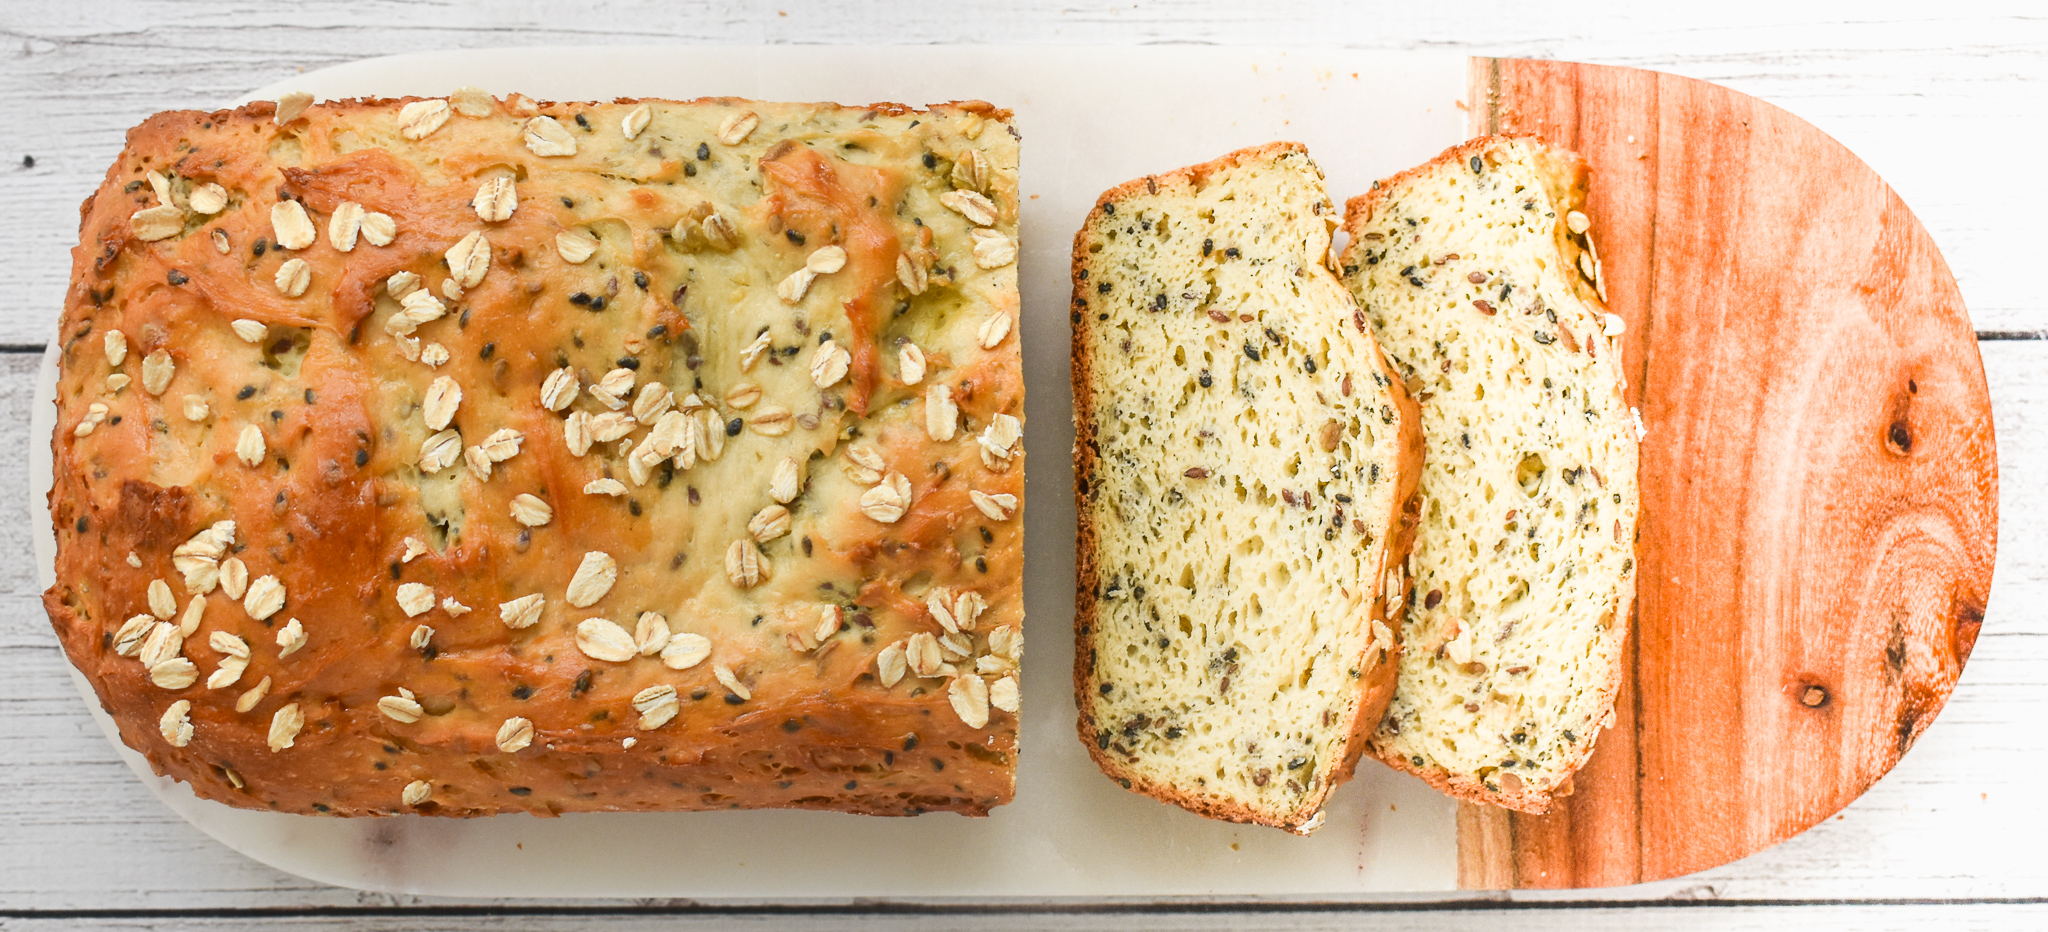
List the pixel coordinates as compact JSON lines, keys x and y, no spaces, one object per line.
{"x":1244,"y":456}
{"x":469,"y":455}
{"x":1478,"y":273}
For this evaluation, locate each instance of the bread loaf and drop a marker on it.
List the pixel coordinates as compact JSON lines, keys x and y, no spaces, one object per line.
{"x":1243,"y":456}
{"x":1478,"y":274}
{"x":462,"y":456}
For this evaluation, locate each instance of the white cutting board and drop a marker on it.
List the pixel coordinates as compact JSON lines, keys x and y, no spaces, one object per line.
{"x":1090,"y":118}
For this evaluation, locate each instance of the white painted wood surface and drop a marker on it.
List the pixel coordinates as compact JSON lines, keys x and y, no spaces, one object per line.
{"x":1943,"y":99}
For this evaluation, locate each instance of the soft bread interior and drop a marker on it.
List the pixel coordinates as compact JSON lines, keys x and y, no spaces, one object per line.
{"x":1477,"y":275}
{"x":1238,"y":478}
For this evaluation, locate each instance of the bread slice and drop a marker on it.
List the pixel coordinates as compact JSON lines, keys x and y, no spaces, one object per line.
{"x":1479,"y":276}
{"x":1242,"y":456}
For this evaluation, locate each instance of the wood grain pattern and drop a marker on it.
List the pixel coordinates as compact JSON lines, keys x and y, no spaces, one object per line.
{"x":1819,"y":479}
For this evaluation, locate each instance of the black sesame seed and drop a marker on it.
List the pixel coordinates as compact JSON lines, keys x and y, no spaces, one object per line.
{"x":930,"y":160}
{"x":582,"y":684}
{"x":1475,"y":163}
{"x":1250,"y":351}
{"x":640,"y":279}
{"x":1105,"y":688}
{"x":1108,"y":208}
{"x":580,"y":299}
{"x":362,"y":457}
{"x":488,"y":350}
{"x":733,"y":699}
{"x":1205,"y":380}
{"x":657,"y":331}
{"x":633,"y":505}
{"x":247,"y":392}
{"x":597,"y":303}
{"x":261,"y":245}
{"x":1231,"y":252}
{"x":80,"y":526}
{"x":177,"y":278}
{"x":732,"y":427}
{"x":703,"y":152}
{"x":276,"y":415}
{"x":1102,"y":288}
{"x":520,"y":791}
{"x":1309,"y":363}
{"x":580,"y":121}
{"x":629,"y":362}
{"x":522,"y":691}
{"x":1159,"y":302}
{"x":1208,"y":246}
{"x":794,"y":236}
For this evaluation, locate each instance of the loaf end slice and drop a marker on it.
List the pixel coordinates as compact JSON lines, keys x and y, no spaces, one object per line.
{"x":1478,"y":273}
{"x":1243,"y":456}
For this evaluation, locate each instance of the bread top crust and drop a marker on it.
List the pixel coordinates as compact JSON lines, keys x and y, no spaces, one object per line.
{"x":1565,"y":177}
{"x":340,"y":505}
{"x":1375,"y":682}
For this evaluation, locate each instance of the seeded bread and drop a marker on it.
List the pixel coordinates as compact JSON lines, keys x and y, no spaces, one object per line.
{"x":463,"y":456}
{"x":1242,"y":460}
{"x":1479,"y":275}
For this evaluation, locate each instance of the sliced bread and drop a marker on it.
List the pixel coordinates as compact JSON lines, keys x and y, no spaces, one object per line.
{"x":1478,"y":274}
{"x":1243,"y":455}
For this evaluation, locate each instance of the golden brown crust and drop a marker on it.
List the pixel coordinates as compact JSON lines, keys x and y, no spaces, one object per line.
{"x":1358,"y":214}
{"x":1377,"y":688}
{"x":336,"y":491}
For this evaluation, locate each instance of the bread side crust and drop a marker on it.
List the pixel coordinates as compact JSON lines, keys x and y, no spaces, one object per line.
{"x":1358,"y":214}
{"x":1377,"y":688}
{"x":628,"y":781}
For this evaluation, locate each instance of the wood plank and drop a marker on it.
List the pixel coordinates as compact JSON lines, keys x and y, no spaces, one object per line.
{"x":1819,"y":479}
{"x":1864,"y":917}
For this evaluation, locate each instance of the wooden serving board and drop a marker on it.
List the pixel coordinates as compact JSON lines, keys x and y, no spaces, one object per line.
{"x":1819,"y":478}
{"x":1817,"y":526}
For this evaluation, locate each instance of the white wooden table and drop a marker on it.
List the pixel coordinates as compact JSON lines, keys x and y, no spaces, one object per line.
{"x":1945,"y":100}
